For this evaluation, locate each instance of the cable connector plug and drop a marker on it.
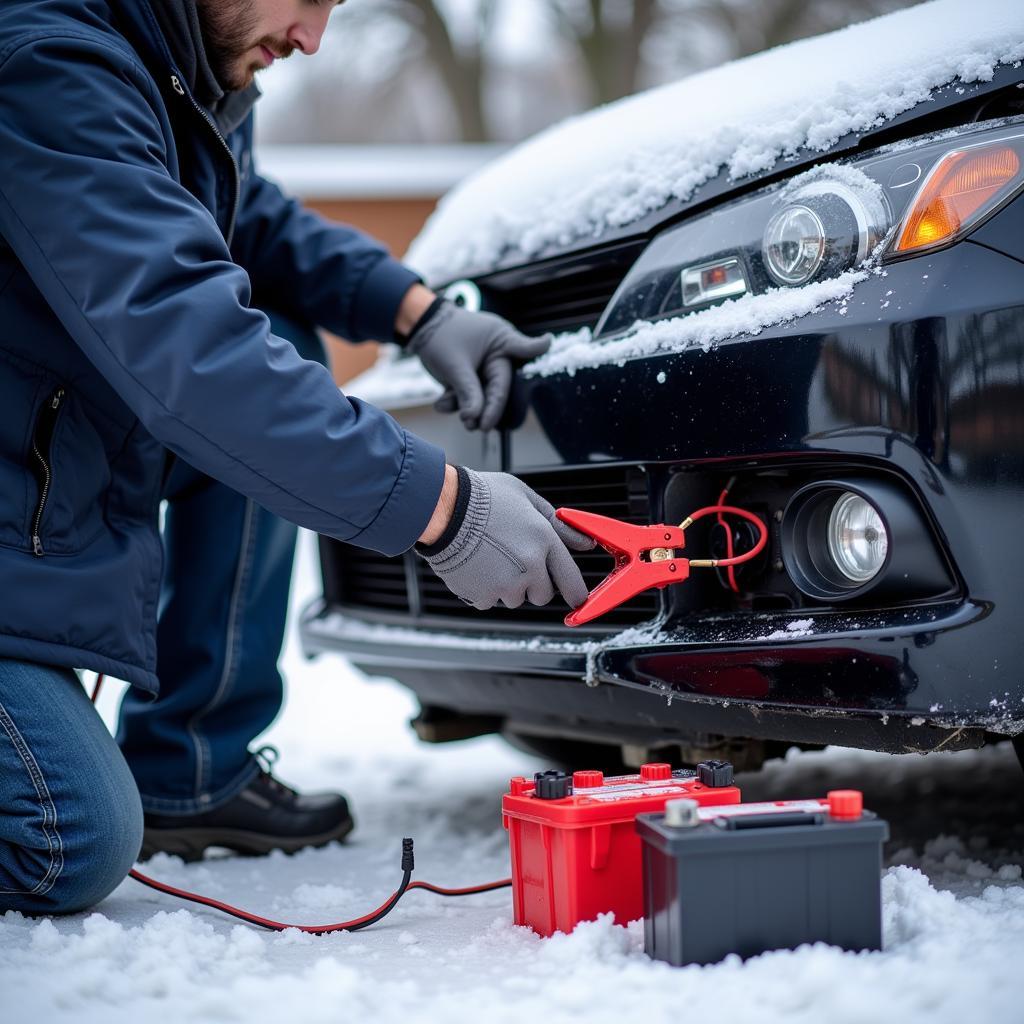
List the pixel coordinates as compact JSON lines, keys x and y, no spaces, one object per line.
{"x":408,"y":861}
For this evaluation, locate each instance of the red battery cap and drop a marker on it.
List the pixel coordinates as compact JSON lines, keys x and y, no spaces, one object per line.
{"x":518,"y":785}
{"x":846,"y":803}
{"x":655,"y":772}
{"x":587,"y":780}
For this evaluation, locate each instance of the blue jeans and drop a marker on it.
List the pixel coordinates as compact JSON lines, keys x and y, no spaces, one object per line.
{"x":227,"y":572}
{"x":70,"y":817}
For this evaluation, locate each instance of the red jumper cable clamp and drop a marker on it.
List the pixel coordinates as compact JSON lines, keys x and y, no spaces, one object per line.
{"x":574,"y":847}
{"x":646,"y":557}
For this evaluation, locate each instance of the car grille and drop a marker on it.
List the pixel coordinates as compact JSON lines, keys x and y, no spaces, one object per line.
{"x":562,"y":295}
{"x":404,"y":589}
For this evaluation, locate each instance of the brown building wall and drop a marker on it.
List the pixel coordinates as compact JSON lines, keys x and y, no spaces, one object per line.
{"x":396,"y":222}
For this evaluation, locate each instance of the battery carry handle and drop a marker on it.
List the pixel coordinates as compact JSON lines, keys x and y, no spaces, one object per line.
{"x":734,"y":823}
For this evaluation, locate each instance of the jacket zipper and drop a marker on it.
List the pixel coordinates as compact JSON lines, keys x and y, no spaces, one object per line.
{"x":47,"y":418}
{"x":236,"y":178}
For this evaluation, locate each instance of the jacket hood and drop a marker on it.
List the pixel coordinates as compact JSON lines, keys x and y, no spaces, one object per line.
{"x":168,"y":34}
{"x":179,"y":23}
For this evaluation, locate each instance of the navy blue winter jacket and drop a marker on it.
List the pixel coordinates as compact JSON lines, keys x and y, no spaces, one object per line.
{"x":132,"y":238}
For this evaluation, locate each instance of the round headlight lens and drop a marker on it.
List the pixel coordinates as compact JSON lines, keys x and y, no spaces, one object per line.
{"x":857,"y":539}
{"x":830,"y":222}
{"x":794,"y":245}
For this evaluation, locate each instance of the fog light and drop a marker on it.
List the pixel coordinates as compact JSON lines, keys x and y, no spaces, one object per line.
{"x":857,"y":539}
{"x":844,"y":539}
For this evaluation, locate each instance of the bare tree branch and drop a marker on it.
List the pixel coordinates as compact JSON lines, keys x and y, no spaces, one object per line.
{"x":621,"y":45}
{"x":609,"y":35}
{"x":460,"y":67}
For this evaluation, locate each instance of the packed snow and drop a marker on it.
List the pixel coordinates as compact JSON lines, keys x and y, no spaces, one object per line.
{"x":609,"y":167}
{"x":953,"y":900}
{"x":396,"y":383}
{"x":746,"y":316}
{"x":794,"y":629}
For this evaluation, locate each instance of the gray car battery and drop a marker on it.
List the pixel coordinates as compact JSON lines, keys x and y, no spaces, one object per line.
{"x":752,"y":877}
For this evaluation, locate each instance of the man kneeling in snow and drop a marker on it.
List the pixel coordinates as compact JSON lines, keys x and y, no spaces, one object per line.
{"x":138,"y":250}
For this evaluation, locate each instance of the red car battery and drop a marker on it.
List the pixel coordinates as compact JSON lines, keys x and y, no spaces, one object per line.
{"x":575,"y":849}
{"x":760,"y":876}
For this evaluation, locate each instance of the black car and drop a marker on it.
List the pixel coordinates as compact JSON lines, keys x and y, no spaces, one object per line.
{"x":880,"y":436}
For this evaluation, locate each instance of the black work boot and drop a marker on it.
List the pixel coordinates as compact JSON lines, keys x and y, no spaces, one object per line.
{"x":266,"y":815}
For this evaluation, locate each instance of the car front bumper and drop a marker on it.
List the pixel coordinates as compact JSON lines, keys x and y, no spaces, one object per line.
{"x":920,"y":375}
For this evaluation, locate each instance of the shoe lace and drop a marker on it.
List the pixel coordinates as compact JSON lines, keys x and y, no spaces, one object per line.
{"x":267,"y":756}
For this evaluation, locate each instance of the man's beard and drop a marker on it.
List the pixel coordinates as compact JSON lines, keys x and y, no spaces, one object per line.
{"x":228,"y":28}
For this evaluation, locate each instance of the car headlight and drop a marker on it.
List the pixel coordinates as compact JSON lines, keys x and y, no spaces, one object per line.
{"x":823,"y":227}
{"x":915,"y":196}
{"x":794,"y":245}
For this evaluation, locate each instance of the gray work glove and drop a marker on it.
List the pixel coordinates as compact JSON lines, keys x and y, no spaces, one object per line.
{"x":505,"y":545}
{"x":473,"y":355}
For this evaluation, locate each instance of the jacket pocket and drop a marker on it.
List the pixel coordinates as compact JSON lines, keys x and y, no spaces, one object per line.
{"x":23,"y":392}
{"x":70,"y":461}
{"x":42,"y":464}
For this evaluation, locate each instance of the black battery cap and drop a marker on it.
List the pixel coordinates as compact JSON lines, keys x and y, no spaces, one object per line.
{"x":715,"y":773}
{"x":552,"y":785}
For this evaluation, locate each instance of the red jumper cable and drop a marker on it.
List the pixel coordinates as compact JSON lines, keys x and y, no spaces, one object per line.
{"x":730,"y":570}
{"x":647,"y":557}
{"x":356,"y":924}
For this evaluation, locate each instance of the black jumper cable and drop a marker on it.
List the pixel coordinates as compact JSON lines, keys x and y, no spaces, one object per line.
{"x":356,"y":924}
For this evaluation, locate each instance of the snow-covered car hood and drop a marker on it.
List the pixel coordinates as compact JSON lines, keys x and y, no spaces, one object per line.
{"x":614,"y":166}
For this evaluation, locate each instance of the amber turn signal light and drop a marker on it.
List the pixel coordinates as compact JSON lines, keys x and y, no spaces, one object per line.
{"x":963,"y":186}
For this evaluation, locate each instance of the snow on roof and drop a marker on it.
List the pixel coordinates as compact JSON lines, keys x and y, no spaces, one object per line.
{"x":372,"y":172}
{"x":615,"y":164}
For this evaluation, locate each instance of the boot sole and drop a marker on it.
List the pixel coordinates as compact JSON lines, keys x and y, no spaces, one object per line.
{"x":190,"y":843}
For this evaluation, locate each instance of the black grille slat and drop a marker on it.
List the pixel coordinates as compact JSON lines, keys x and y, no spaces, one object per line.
{"x":365,"y":580}
{"x":377,"y":587}
{"x":380,"y":604}
{"x":563,"y":294}
{"x":535,"y":328}
{"x":353,"y":576}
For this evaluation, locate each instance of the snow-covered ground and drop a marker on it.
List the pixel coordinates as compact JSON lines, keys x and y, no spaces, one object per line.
{"x":953,"y":901}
